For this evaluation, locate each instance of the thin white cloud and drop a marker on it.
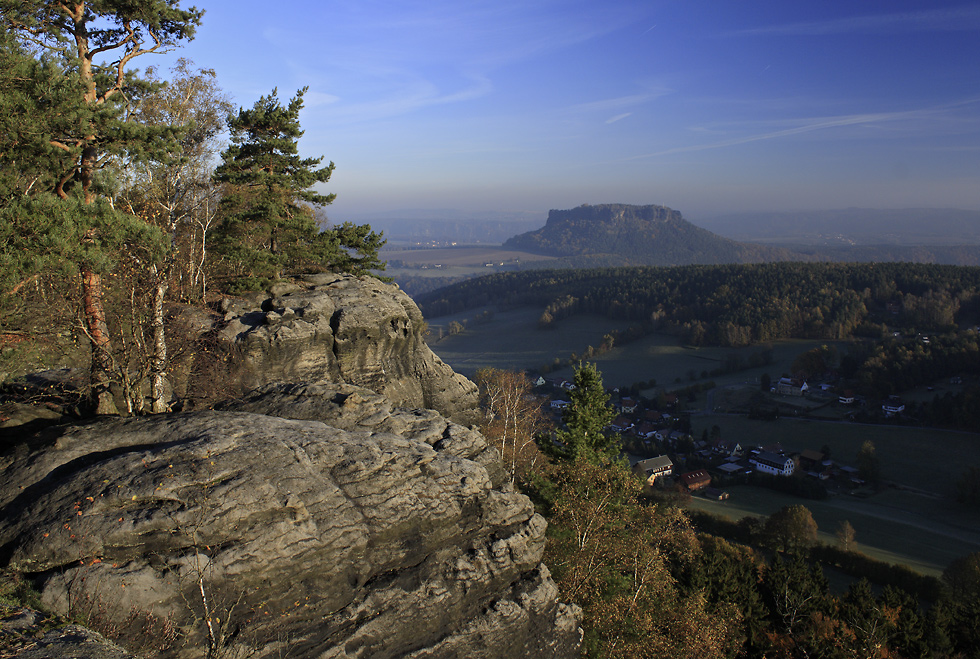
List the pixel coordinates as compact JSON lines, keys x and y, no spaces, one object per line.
{"x":620,"y":102}
{"x":313,"y":99}
{"x":408,"y":96}
{"x":935,"y":20}
{"x":613,"y":120}
{"x":815,"y":124}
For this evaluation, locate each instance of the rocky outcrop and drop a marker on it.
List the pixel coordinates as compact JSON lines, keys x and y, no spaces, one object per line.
{"x":341,"y":540}
{"x":347,"y":329}
{"x":29,"y":634}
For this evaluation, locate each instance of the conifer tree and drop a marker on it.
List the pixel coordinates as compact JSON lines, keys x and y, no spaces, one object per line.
{"x":94,"y":41}
{"x":586,"y":418}
{"x":270,"y":223}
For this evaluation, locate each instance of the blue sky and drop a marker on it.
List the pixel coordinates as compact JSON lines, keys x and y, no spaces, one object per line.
{"x":703,"y":106}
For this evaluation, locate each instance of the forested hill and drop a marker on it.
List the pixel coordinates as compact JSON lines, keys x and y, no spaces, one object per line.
{"x":738,"y":304}
{"x":640,"y":235}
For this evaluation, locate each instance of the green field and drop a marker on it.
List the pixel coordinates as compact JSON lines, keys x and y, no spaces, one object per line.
{"x":455,"y":261}
{"x":891,"y":526}
{"x":914,"y":521}
{"x":513,"y":340}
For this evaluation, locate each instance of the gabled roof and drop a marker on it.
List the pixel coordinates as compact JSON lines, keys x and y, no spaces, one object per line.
{"x":658,"y":463}
{"x":698,"y":476}
{"x":772,"y":459}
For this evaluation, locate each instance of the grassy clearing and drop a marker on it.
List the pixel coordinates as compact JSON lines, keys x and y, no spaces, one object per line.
{"x":512,"y":340}
{"x":515,"y":337}
{"x":922,"y":527}
{"x":883,"y":532}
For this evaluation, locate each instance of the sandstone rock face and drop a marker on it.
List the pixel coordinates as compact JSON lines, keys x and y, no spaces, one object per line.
{"x":286,"y":535}
{"x":347,"y":329}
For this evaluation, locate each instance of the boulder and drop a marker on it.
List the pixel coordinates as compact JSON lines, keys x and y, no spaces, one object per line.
{"x":278,"y":536}
{"x":341,"y":328}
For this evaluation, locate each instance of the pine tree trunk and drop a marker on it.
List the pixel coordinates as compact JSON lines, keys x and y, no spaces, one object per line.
{"x":98,"y":331}
{"x":158,"y":363}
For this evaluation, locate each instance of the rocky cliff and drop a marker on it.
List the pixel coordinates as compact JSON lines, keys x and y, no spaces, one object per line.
{"x":332,"y":512}
{"x":271,"y":534}
{"x":346,"y":329}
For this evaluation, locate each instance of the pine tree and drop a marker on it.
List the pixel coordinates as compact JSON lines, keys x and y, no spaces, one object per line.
{"x":270,"y":223}
{"x":586,"y":418}
{"x":82,"y":127}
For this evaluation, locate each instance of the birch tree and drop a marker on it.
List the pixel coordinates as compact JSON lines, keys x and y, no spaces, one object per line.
{"x":95,"y":43}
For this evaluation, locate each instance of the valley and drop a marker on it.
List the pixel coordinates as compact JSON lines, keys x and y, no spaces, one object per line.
{"x":913,"y":520}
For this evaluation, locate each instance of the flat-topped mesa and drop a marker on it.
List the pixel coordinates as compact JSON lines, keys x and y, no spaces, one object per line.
{"x":341,"y":328}
{"x":636,"y":235}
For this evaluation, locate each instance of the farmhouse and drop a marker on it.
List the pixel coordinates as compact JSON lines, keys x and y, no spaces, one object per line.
{"x":627,"y":405}
{"x":652,"y":468}
{"x":791,"y":387}
{"x":695,"y":480}
{"x":893,"y":406}
{"x":810,"y":459}
{"x":771,"y":463}
{"x":726,"y":447}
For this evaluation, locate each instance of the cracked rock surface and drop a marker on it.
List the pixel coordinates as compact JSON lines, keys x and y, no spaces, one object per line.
{"x":356,"y":330}
{"x":369,"y":533}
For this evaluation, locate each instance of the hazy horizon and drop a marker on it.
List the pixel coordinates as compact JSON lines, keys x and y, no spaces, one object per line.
{"x":708,"y":108}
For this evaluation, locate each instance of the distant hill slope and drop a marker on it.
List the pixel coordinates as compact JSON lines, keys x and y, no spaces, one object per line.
{"x":640,"y":235}
{"x":853,"y":226}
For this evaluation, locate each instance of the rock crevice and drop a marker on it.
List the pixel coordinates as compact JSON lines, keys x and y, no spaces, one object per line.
{"x":348,"y":541}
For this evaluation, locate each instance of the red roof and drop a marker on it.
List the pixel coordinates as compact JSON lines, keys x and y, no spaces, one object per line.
{"x":697,"y":478}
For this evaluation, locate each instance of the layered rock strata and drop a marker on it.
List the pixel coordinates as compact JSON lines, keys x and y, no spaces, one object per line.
{"x":277,"y":535}
{"x":347,"y":329}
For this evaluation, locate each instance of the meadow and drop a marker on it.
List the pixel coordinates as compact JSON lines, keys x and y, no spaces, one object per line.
{"x":512,"y":339}
{"x":913,"y":521}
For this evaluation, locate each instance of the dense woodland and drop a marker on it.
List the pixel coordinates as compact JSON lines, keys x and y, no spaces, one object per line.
{"x":112,"y":213}
{"x":736,"y":305}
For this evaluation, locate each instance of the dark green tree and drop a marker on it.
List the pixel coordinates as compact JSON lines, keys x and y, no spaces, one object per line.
{"x":586,"y":418}
{"x":270,"y":220}
{"x":868,"y":465}
{"x":791,"y":529}
{"x":82,"y":127}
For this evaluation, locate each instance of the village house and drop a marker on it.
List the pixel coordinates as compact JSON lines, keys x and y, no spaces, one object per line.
{"x":772,"y":463}
{"x":695,"y":480}
{"x":621,"y":424}
{"x":791,"y":387}
{"x":726,"y":447}
{"x":627,"y":405}
{"x":846,"y":398}
{"x":893,"y":406}
{"x":652,"y":468}
{"x":811,"y":460}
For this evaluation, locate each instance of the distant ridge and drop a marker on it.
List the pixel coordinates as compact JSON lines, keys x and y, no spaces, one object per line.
{"x":853,"y":226}
{"x":639,"y":235}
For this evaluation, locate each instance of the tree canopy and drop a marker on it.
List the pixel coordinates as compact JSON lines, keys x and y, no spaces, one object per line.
{"x":270,"y":222}
{"x":586,"y":418}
